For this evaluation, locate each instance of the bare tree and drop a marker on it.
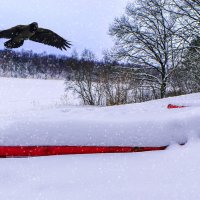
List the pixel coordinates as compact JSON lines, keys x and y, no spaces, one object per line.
{"x":188,"y":12}
{"x":147,"y":37}
{"x":85,"y":83}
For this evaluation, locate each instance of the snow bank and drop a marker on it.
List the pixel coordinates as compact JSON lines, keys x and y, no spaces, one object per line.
{"x":144,"y":124}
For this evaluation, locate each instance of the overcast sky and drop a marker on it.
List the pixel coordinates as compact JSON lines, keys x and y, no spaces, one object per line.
{"x":84,"y":22}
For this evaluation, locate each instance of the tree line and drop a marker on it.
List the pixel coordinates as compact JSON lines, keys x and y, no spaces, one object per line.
{"x":26,"y":64}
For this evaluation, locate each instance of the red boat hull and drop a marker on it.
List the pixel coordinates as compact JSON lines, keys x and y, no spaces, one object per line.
{"x":29,"y":151}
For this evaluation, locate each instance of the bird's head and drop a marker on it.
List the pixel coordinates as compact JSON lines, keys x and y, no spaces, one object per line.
{"x":33,"y":27}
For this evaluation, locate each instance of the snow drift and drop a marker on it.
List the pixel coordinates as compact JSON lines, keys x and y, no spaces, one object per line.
{"x":49,"y":122}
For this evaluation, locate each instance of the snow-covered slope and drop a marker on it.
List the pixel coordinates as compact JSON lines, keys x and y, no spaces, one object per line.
{"x":33,"y":113}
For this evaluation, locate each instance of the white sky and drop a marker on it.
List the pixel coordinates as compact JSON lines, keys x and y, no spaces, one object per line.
{"x":84,"y":22}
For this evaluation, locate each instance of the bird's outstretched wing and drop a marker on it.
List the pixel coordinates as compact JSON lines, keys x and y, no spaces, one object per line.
{"x":48,"y":37}
{"x":11,"y":32}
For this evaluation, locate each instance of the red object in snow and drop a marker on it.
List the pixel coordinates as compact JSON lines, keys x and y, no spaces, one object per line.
{"x":171,"y":106}
{"x":29,"y":151}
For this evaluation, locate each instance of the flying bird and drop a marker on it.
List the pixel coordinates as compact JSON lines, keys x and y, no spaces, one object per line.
{"x":18,"y":34}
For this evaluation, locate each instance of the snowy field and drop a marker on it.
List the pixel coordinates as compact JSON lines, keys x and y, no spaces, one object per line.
{"x":35,"y":112}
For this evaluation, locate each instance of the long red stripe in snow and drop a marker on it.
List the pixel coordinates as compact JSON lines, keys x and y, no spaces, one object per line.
{"x":172,"y":106}
{"x":28,"y":151}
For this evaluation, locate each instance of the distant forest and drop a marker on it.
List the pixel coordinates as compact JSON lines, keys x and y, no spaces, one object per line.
{"x":105,"y":82}
{"x":26,"y":64}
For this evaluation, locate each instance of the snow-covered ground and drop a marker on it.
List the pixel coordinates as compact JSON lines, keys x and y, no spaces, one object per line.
{"x":35,"y":112}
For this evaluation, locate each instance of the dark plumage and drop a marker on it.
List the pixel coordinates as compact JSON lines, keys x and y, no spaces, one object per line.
{"x":19,"y":33}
